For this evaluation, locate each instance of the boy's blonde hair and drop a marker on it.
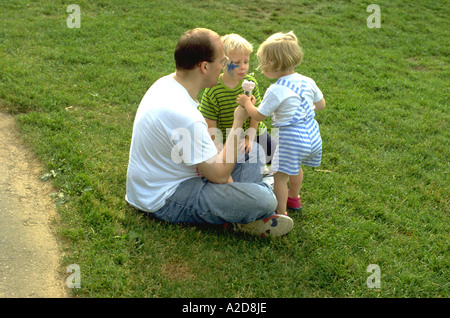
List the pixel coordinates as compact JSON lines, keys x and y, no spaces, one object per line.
{"x":236,"y":43}
{"x":280,"y":52}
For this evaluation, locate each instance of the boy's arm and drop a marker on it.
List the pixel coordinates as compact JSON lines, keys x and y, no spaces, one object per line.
{"x":214,"y":133}
{"x":211,"y":125}
{"x":208,"y":108}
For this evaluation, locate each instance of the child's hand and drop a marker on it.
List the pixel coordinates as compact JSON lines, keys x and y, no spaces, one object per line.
{"x":243,"y":99}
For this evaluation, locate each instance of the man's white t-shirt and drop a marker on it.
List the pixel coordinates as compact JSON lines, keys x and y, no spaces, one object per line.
{"x":170,"y":137}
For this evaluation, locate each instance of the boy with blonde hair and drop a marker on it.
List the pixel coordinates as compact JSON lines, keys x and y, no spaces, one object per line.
{"x":292,"y":100}
{"x":219,"y":102}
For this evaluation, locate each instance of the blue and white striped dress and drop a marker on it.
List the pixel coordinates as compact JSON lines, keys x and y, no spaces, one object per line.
{"x":291,"y":100}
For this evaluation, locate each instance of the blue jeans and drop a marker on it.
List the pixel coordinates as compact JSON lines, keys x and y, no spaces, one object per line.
{"x":198,"y":200}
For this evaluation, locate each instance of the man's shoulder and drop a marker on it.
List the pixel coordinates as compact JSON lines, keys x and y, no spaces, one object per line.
{"x":165,"y":81}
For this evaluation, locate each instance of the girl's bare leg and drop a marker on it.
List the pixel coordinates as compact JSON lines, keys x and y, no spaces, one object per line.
{"x":280,"y":189}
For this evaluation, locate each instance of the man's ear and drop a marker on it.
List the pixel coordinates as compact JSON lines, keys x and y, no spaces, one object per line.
{"x":203,"y":66}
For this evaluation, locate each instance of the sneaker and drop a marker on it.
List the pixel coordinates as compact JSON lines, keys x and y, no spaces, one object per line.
{"x":274,"y":226}
{"x":294,"y":204}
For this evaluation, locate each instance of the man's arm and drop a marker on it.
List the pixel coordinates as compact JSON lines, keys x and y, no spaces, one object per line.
{"x":219,"y":169}
{"x":251,"y":134}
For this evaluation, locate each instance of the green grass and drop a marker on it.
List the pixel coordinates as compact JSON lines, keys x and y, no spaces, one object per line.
{"x":379,"y":197}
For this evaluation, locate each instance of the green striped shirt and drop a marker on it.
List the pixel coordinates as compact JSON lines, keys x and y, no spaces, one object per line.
{"x":219,"y":102}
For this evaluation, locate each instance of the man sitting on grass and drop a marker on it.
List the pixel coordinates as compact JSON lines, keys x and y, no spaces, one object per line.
{"x":175,"y":173}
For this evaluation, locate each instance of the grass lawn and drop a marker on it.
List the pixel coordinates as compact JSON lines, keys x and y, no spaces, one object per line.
{"x":380,"y":196}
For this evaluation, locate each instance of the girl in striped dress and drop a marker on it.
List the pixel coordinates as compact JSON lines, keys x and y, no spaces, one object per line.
{"x":292,"y":102}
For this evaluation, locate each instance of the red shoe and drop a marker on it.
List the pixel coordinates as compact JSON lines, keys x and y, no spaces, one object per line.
{"x":294,"y":204}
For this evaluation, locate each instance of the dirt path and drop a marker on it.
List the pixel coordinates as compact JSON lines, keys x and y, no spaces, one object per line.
{"x":29,"y":252}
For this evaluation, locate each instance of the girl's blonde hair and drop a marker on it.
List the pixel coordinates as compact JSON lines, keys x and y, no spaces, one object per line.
{"x":280,"y":52}
{"x":236,"y":43}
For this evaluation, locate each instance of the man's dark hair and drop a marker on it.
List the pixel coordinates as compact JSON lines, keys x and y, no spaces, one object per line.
{"x":193,"y":47}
